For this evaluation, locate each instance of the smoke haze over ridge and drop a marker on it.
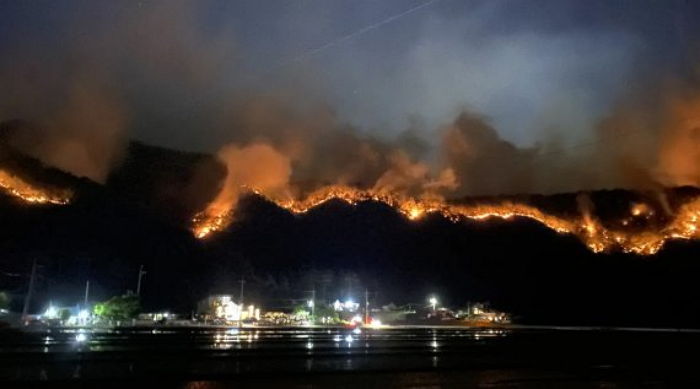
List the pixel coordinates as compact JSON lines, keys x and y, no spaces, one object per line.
{"x":457,"y":98}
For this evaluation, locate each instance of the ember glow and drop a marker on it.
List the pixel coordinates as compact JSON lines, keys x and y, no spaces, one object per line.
{"x":205,"y":224}
{"x":19,"y":188}
{"x":596,"y":236}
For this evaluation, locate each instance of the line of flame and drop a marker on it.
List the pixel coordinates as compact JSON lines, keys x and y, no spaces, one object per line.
{"x":19,"y":188}
{"x":598,"y":238}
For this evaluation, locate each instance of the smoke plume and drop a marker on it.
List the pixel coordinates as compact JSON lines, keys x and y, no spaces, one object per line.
{"x":257,"y":166}
{"x":460,"y":108}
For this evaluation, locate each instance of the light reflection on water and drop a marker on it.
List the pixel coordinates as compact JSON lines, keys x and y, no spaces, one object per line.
{"x":310,"y":343}
{"x":315,"y":338}
{"x":308,"y":339}
{"x":234,"y":337}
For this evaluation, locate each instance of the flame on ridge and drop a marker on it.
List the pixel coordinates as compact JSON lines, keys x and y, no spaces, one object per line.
{"x":684,"y":225}
{"x":21,"y":189}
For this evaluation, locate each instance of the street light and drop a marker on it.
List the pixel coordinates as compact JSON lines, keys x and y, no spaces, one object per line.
{"x":311,"y":305}
{"x":433,"y":302}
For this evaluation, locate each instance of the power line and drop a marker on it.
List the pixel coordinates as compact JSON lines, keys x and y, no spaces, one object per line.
{"x":364,"y":30}
{"x":344,"y":38}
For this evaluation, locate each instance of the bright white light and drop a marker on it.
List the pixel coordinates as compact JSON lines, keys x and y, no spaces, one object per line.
{"x":433,"y":302}
{"x":348,"y":338}
{"x":357,"y":319}
{"x":357,"y":331}
{"x":310,"y":303}
{"x":51,"y":312}
{"x":232,"y":331}
{"x":83,"y":314}
{"x":375,"y":323}
{"x":80,"y":338}
{"x":336,"y":338}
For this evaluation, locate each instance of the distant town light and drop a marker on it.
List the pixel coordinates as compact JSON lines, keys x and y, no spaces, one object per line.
{"x":51,"y":312}
{"x":80,"y":337}
{"x":375,"y":323}
{"x":310,"y":303}
{"x":347,"y":306}
{"x":83,"y":314}
{"x":433,"y":302}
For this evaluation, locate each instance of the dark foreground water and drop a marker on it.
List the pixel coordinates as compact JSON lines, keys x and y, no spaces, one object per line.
{"x":401,"y":357}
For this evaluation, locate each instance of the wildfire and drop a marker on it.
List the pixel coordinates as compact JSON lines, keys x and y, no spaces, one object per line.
{"x":204,"y":224}
{"x":19,"y":188}
{"x":597,"y":237}
{"x":641,"y":209}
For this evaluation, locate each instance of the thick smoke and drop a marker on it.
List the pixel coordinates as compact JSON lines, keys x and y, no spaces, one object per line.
{"x":88,"y":88}
{"x":679,"y":149}
{"x":549,"y":108}
{"x":78,"y":117}
{"x":257,"y":166}
{"x":473,"y":159}
{"x":483,"y":162}
{"x":321,"y":151}
{"x":85,"y":136}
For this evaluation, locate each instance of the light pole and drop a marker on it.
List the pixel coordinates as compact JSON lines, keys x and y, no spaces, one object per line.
{"x":30,"y":290}
{"x":366,"y":306}
{"x":138,"y":284}
{"x":240,"y":315}
{"x":87,"y":294}
{"x":312,"y":304}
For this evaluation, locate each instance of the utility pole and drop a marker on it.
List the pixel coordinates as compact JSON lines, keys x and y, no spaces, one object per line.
{"x":138,"y":284}
{"x":87,"y":293}
{"x":240,"y":301}
{"x":28,"y":297}
{"x":366,"y":306}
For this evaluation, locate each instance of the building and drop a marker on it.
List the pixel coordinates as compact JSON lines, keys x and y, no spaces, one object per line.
{"x":223,"y":307}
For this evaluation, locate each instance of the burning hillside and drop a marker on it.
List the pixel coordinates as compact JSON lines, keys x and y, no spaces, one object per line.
{"x":294,"y":154}
{"x":29,"y":193}
{"x":642,"y":230}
